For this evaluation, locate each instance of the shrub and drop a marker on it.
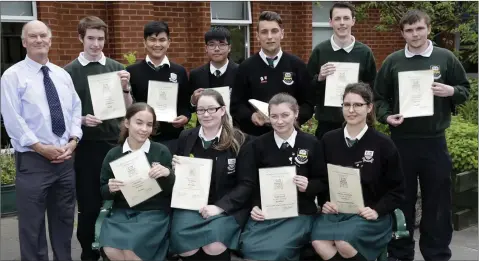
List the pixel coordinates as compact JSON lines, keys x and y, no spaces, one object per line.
{"x":7,"y":167}
{"x":462,"y":144}
{"x":130,"y":58}
{"x":468,"y":111}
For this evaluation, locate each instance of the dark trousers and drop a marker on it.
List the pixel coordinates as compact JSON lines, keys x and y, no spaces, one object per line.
{"x":41,"y":185}
{"x":325,"y":126}
{"x":88,"y":162}
{"x":429,"y":160}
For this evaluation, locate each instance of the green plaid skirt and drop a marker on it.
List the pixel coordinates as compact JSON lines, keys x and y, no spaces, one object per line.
{"x":189,"y":231}
{"x":368,"y":237}
{"x":279,"y":239}
{"x":143,"y":232}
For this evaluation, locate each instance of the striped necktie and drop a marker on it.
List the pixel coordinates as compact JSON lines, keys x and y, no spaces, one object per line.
{"x":351,"y":142}
{"x":271,"y":61}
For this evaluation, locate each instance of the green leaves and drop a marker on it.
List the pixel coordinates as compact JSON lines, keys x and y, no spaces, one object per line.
{"x":7,"y":168}
{"x":447,"y":19}
{"x":462,"y":144}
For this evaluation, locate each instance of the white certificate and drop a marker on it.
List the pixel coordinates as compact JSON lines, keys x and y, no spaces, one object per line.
{"x":226,"y":94}
{"x":261,"y":107}
{"x":133,"y":170}
{"x":416,"y":98}
{"x":345,"y":74}
{"x":279,"y":196}
{"x":192,"y":184}
{"x":345,"y":188}
{"x":106,"y":96}
{"x":163,"y":97}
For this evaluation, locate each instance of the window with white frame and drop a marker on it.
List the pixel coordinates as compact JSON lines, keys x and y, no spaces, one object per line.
{"x":321,"y":28}
{"x":236,"y":17}
{"x":13,"y":15}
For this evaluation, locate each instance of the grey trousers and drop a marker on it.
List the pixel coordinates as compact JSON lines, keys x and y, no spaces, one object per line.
{"x":43,"y":186}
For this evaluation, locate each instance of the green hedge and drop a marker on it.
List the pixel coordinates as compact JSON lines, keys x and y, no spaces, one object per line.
{"x":7,"y":167}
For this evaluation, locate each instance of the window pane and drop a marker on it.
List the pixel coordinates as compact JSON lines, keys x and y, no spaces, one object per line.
{"x":11,"y":53}
{"x":229,"y":11}
{"x":238,"y":40}
{"x":321,"y":34}
{"x":16,"y":8}
{"x":321,"y":11}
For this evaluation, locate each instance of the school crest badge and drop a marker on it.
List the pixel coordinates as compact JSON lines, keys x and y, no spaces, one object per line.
{"x":302,"y":156}
{"x":436,"y":71}
{"x":288,"y":78}
{"x":368,"y":156}
{"x":173,"y":77}
{"x":231,"y":166}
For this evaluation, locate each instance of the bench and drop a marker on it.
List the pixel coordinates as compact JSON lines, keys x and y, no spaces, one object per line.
{"x":308,"y":253}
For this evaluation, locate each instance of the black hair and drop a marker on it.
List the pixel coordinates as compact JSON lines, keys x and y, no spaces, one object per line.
{"x":218,"y":33}
{"x":155,"y":28}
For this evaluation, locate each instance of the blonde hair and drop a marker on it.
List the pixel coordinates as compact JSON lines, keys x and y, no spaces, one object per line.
{"x":230,"y":136}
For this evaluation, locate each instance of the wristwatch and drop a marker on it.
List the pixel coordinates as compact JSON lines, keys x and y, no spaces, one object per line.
{"x":75,"y":139}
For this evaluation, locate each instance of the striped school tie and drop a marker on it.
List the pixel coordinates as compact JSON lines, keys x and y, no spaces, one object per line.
{"x":351,"y":142}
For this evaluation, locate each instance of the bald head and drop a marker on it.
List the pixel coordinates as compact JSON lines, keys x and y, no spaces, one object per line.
{"x":35,"y":25}
{"x":37,"y":39}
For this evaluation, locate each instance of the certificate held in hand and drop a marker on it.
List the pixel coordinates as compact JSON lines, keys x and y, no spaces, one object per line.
{"x":336,"y":83}
{"x":163,"y":97}
{"x":416,"y":98}
{"x":345,"y":189}
{"x":106,"y":96}
{"x":279,"y":195}
{"x":226,"y":94}
{"x":192,"y":184}
{"x":132,"y":169}
{"x":261,"y":107}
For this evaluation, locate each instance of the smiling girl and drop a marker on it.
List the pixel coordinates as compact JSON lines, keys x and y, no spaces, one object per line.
{"x":210,"y":234}
{"x":281,"y":239}
{"x":364,"y":235}
{"x":139,"y":232}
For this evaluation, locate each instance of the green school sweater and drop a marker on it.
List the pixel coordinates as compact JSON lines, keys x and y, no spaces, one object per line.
{"x":448,"y":70}
{"x":324,"y":53}
{"x":109,"y":129}
{"x":158,"y":153}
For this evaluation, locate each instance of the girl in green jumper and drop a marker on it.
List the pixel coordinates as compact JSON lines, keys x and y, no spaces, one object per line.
{"x":209,"y":234}
{"x":139,"y":232}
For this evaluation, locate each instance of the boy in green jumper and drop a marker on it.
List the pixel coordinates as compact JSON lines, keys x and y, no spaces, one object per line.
{"x":421,"y":140}
{"x":98,"y":136}
{"x":342,"y":47}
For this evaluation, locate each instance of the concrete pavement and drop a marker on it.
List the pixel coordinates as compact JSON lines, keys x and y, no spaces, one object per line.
{"x":464,"y":243}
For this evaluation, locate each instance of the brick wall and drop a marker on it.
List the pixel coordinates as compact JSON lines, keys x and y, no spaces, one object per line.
{"x":297,"y":23}
{"x":381,"y":43}
{"x":188,"y":21}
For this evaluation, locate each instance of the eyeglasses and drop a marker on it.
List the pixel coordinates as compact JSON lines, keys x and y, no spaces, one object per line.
{"x":356,"y":105}
{"x":221,"y":46}
{"x":209,"y":110}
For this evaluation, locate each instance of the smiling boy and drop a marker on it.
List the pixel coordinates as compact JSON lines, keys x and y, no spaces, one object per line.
{"x":99,"y":136}
{"x":342,"y":47}
{"x":157,"y":67}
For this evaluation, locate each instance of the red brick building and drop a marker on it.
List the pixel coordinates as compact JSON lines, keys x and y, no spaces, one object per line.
{"x":305,"y":24}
